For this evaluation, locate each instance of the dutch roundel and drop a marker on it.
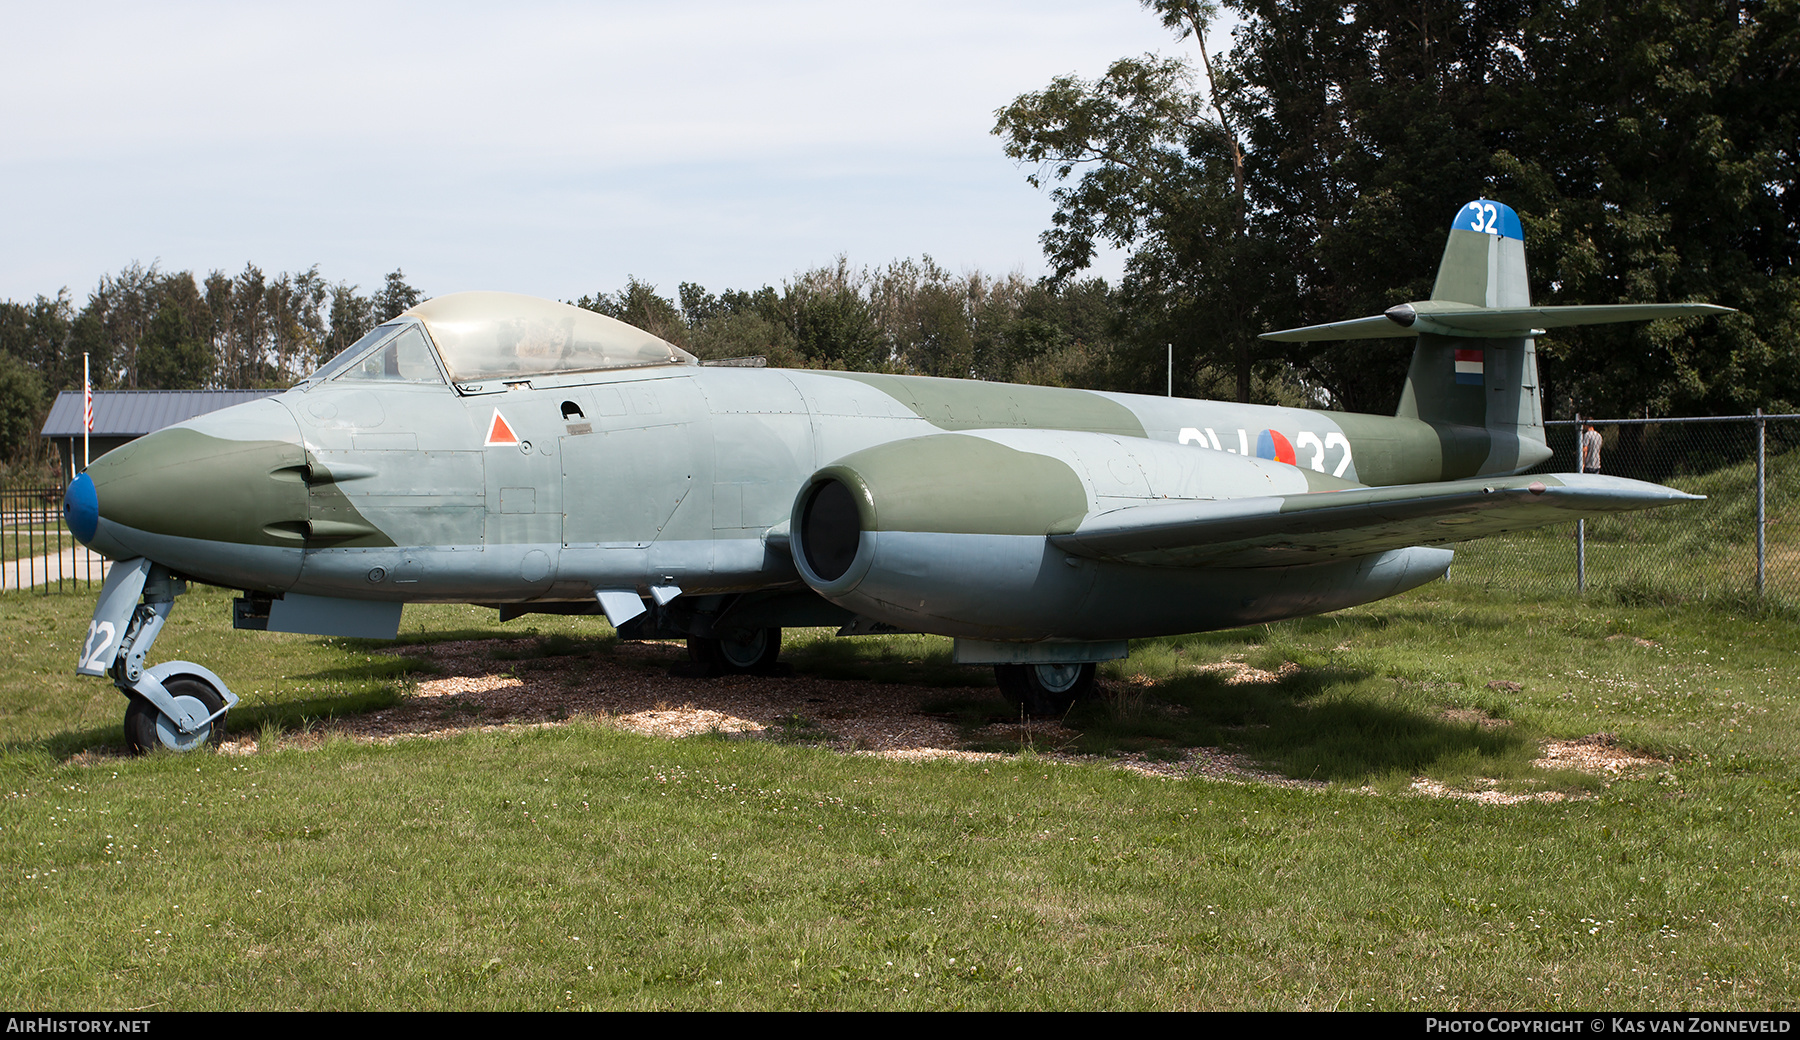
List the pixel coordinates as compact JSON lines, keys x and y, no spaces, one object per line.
{"x":1270,"y":444}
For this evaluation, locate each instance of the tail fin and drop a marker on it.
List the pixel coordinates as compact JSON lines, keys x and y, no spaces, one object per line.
{"x":1474,"y":375}
{"x":1479,"y":390}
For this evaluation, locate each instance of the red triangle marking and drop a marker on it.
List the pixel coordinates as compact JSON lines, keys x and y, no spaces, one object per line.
{"x":499,"y":432}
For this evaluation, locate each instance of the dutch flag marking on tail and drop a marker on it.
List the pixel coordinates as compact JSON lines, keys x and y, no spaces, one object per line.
{"x":1468,"y":367}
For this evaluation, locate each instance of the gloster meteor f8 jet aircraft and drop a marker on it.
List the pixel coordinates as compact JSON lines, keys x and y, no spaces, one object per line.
{"x":503,"y":450}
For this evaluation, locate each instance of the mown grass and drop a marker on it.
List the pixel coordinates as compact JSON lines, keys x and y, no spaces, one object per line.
{"x":587,"y":868}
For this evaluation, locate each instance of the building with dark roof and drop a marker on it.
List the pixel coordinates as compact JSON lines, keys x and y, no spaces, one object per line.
{"x":125,"y":415}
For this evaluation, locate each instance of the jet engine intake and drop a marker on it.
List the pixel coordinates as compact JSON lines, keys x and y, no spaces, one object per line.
{"x":832,"y":528}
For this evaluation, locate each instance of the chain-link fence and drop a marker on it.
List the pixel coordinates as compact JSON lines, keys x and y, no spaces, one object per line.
{"x":36,"y":550}
{"x":1707,"y":550}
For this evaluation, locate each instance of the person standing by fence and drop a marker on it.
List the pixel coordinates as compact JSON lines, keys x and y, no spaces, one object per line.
{"x":1590,"y":449}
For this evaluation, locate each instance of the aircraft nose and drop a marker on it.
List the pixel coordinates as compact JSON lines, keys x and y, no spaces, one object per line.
{"x":81,"y":509}
{"x":236,"y":476}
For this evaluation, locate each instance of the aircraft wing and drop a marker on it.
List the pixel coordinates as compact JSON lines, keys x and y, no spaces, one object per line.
{"x":1316,"y":526}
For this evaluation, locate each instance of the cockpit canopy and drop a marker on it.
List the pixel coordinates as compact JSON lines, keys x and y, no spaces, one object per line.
{"x":492,"y":335}
{"x":503,"y":336}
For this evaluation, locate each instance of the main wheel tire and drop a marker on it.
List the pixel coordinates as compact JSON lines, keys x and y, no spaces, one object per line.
{"x":750,"y":650}
{"x":1045,"y":689}
{"x":146,"y":728}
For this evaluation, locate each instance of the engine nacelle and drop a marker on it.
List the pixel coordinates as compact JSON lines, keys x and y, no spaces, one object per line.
{"x":947,"y":533}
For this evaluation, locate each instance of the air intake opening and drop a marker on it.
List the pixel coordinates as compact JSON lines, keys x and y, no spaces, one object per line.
{"x":830,"y":530}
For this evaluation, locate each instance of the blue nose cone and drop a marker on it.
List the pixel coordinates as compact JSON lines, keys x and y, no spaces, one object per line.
{"x":81,"y":508}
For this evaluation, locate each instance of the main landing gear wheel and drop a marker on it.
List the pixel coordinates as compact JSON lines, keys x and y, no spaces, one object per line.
{"x":1045,"y":689}
{"x":146,"y":728}
{"x":736,"y":653}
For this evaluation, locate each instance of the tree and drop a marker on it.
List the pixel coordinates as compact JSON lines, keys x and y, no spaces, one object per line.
{"x":38,"y":335}
{"x":352,"y":316}
{"x":832,"y":321}
{"x":1140,"y":163}
{"x":395,"y":297}
{"x":21,"y":407}
{"x":125,"y":304}
{"x":174,"y":355}
{"x":737,"y":323}
{"x":639,"y":304}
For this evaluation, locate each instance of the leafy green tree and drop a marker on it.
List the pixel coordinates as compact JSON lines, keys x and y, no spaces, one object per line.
{"x":38,"y":335}
{"x":174,"y":355}
{"x":832,"y":320}
{"x":639,"y":304}
{"x":124,"y":304}
{"x":394,"y":297}
{"x":739,"y":323}
{"x":351,"y":317}
{"x":22,"y":407}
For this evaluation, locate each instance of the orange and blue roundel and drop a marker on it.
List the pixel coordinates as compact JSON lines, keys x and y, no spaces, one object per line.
{"x":1468,"y":367}
{"x":1270,"y":444}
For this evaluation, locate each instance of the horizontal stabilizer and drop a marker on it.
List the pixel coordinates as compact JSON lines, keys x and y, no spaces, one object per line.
{"x":1451,"y":319}
{"x":1312,"y":527}
{"x":1376,"y":326}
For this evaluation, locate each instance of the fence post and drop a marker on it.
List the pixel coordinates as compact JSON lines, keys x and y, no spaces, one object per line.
{"x":1580,"y":525}
{"x":1762,"y":484}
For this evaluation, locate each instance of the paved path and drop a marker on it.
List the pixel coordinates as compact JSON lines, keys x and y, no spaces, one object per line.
{"x":78,"y":564}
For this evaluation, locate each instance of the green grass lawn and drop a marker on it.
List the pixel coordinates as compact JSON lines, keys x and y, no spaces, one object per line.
{"x":584,"y":867}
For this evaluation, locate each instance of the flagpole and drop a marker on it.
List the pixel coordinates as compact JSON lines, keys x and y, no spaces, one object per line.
{"x":87,"y":410}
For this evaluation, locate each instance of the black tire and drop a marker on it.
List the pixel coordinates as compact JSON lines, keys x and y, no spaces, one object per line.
{"x":141,"y":717}
{"x":1045,"y":689}
{"x":737,"y":653}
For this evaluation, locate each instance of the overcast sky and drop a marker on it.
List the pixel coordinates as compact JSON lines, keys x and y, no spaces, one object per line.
{"x":544,"y":148}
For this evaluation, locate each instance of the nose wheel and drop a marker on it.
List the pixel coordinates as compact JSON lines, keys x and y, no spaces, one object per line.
{"x":147,"y":728}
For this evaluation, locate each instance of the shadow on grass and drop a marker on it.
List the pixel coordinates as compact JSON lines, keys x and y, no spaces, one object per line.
{"x":1332,"y":724}
{"x":376,"y":685}
{"x":909,"y":660}
{"x":445,"y":635}
{"x":60,"y":747}
{"x":556,"y":644}
{"x":301,"y":715}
